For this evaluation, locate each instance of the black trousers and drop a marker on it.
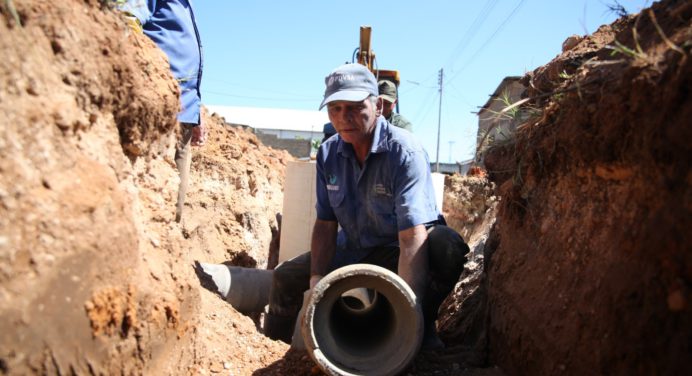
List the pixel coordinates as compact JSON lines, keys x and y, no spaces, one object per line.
{"x":447,"y":255}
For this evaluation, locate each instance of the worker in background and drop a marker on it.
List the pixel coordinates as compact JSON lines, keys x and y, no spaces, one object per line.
{"x":374,"y":182}
{"x":171,"y":25}
{"x":328,"y":131}
{"x":388,"y":93}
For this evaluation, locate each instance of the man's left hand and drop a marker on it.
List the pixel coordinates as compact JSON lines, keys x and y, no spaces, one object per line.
{"x":199,"y":134}
{"x":314,"y":279}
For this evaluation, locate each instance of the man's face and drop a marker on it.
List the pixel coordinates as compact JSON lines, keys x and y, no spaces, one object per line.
{"x":355,"y":121}
{"x":387,"y":108}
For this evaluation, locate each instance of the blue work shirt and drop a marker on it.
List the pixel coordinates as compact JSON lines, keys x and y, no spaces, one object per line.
{"x":171,"y":25}
{"x":393,"y":191}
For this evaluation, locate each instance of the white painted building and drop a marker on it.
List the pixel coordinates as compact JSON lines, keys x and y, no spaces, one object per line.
{"x":280,"y":122}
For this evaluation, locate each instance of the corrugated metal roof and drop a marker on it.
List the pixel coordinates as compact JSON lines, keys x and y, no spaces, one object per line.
{"x":272,"y":118}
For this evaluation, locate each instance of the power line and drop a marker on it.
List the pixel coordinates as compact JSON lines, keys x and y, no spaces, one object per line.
{"x":487,"y":41}
{"x":459,"y":94}
{"x":216,"y":80}
{"x":425,"y":105}
{"x":471,"y":31}
{"x":261,"y":98}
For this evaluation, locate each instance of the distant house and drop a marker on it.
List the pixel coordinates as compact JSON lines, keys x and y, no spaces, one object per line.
{"x":452,"y":168}
{"x":290,"y":130}
{"x":494,"y":126}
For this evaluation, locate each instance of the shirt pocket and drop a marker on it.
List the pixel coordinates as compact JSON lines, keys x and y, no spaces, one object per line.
{"x":383,"y":215}
{"x":336,"y":198}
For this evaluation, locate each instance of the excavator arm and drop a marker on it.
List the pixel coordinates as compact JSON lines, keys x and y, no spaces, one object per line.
{"x":366,"y":57}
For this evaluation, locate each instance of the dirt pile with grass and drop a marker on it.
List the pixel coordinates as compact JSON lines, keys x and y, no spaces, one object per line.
{"x":592,"y":272}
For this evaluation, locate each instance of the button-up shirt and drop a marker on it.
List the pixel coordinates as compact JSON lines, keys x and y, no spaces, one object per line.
{"x":391,"y":192}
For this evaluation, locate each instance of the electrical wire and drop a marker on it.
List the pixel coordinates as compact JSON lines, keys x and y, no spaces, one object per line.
{"x":228,"y":83}
{"x":427,"y":104}
{"x":487,"y":42}
{"x":261,"y":98}
{"x":471,"y":32}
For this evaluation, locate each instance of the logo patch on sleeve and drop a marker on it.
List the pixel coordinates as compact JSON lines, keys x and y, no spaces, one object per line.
{"x":331,"y":183}
{"x":381,"y":190}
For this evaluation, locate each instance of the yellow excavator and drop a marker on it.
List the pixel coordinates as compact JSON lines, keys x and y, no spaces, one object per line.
{"x":366,"y":56}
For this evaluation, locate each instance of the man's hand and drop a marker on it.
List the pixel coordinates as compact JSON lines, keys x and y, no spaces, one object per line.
{"x":314,"y":280}
{"x":199,"y":134}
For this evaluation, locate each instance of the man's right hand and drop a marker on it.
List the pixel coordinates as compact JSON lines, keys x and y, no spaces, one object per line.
{"x":199,"y":134}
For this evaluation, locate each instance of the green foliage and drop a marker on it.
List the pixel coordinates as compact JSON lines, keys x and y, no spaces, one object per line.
{"x":315,"y":143}
{"x":565,"y":76}
{"x":513,"y":112}
{"x":619,"y":48}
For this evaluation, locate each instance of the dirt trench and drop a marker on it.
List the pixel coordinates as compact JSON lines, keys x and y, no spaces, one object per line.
{"x":593,"y":269}
{"x":95,"y":275}
{"x":589,"y":263}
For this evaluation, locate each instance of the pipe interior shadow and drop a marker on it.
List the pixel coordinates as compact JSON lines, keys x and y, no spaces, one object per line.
{"x":362,"y":326}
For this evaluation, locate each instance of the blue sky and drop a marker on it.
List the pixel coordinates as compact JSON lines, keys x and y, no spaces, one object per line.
{"x":275,"y":54}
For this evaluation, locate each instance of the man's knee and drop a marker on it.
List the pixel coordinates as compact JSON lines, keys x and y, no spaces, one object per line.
{"x":279,"y":327}
{"x":447,"y":250}
{"x":289,"y":281}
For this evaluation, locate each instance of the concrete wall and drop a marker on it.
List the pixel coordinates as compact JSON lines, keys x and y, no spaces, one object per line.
{"x":293,"y":134}
{"x":452,"y":168}
{"x":299,"y":211}
{"x":299,"y":148}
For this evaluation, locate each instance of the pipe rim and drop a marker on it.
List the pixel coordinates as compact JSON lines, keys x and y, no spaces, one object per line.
{"x":400,"y":294}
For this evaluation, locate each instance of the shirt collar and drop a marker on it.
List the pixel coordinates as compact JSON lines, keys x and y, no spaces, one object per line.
{"x":380,"y":141}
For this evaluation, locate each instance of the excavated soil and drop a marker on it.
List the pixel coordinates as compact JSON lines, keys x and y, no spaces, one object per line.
{"x":589,"y":267}
{"x":593,"y":269}
{"x":96,"y":277}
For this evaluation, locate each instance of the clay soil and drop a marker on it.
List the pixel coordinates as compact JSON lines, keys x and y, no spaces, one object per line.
{"x":96,"y":277}
{"x":593,"y":268}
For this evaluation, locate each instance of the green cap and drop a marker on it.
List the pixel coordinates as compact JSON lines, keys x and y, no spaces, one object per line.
{"x":387,"y":90}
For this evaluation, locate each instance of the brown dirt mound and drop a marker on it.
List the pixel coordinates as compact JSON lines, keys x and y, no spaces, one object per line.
{"x":592,"y":273}
{"x":467,"y":202}
{"x":95,"y":277}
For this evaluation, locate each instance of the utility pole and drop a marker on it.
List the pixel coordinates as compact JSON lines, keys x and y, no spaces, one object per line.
{"x":439,"y":124}
{"x":450,"y":150}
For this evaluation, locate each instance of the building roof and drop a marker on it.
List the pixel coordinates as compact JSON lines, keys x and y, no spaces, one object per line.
{"x":498,"y":91}
{"x":272,"y":118}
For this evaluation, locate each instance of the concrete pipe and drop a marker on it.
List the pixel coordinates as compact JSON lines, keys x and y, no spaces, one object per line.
{"x":249,"y":290}
{"x":379,"y":332}
{"x":246,"y":289}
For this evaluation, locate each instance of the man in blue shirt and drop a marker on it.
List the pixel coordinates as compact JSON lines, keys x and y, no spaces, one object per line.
{"x":171,"y":25}
{"x":373,"y":181}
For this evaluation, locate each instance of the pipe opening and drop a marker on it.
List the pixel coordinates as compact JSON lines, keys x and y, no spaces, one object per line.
{"x":359,"y":300}
{"x":362,"y":320}
{"x":361,"y":326}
